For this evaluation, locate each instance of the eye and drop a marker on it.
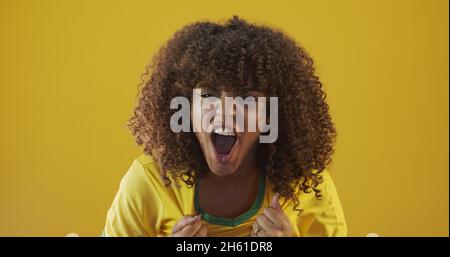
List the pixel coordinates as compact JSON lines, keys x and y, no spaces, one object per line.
{"x":206,"y":95}
{"x":250,"y":98}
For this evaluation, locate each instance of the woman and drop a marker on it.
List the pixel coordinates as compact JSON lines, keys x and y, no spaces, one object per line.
{"x":223,"y":181}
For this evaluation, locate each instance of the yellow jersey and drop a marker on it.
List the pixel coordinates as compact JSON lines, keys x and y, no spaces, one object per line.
{"x":144,"y":206}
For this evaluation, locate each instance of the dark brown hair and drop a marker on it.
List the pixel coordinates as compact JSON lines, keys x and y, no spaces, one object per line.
{"x":207,"y":54}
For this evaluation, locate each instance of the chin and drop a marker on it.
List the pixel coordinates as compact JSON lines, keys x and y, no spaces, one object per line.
{"x":221,"y":169}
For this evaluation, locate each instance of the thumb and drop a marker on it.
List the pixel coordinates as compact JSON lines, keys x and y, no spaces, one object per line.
{"x":275,"y":202}
{"x":184,"y":221}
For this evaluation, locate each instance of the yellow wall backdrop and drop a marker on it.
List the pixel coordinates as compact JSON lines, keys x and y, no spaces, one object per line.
{"x":69,"y":72}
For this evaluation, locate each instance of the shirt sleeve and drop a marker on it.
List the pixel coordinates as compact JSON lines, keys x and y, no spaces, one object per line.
{"x":325,"y":216}
{"x":136,"y":209}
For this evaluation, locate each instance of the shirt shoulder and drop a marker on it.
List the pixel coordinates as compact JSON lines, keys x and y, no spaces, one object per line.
{"x":145,"y":204}
{"x":324,"y":215}
{"x":137,"y":208}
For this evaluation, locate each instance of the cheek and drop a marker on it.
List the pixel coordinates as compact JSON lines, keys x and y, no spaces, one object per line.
{"x":250,"y":119}
{"x":249,"y":139}
{"x":203,"y":114}
{"x":249,"y":142}
{"x":201,"y":138}
{"x":196,"y":123}
{"x":262,"y":118}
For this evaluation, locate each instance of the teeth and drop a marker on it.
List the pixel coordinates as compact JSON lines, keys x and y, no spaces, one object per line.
{"x":226,"y":132}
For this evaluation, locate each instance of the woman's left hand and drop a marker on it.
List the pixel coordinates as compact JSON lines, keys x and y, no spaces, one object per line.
{"x":273,"y":223}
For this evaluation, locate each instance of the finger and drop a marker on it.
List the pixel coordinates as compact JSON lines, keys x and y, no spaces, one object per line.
{"x":202,"y":232}
{"x":275,"y":217}
{"x":191,"y":230}
{"x":265,"y":223}
{"x":263,"y":233}
{"x":255,"y":227}
{"x":184,"y":221}
{"x":275,"y":202}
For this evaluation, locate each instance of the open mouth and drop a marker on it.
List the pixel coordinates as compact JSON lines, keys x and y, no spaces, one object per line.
{"x":223,"y":141}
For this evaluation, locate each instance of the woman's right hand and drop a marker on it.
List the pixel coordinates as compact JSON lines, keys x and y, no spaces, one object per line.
{"x":189,"y":226}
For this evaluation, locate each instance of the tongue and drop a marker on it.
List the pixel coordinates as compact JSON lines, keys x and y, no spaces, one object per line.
{"x":223,"y":144}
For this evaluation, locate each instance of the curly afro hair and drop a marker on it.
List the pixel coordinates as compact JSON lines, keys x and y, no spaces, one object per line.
{"x":207,"y":54}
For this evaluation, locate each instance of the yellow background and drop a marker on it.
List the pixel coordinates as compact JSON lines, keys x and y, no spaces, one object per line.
{"x":69,"y":72}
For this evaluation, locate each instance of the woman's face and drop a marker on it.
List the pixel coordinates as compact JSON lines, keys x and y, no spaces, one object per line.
{"x":226,"y":145}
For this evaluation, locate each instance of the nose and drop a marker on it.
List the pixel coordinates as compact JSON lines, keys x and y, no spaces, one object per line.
{"x":224,"y":113}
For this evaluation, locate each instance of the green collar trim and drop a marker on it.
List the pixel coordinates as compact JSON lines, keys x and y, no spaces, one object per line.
{"x":241,"y":218}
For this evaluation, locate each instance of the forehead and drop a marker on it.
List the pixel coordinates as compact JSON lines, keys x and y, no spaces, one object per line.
{"x":224,"y":87}
{"x":230,"y":83}
{"x":233,"y":91}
